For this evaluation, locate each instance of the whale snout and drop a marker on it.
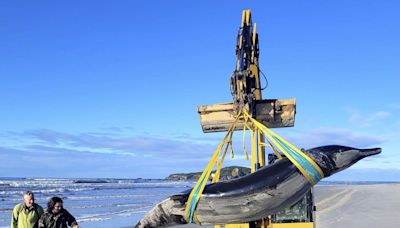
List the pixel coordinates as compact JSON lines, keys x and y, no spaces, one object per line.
{"x":370,"y":152}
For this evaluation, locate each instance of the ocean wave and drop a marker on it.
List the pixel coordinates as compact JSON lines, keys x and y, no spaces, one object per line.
{"x":47,"y":191}
{"x":90,"y":197}
{"x":60,"y":190}
{"x":38,"y":183}
{"x":93,"y":219}
{"x":94,"y":184}
{"x":6,"y":209}
{"x":90,"y":182}
{"x":111,"y":205}
{"x":49,"y":179}
{"x":20,"y":192}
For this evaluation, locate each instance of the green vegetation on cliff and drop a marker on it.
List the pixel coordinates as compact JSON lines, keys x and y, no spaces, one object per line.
{"x":226,"y":174}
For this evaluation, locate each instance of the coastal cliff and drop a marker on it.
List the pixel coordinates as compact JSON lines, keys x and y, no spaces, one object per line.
{"x":226,"y":174}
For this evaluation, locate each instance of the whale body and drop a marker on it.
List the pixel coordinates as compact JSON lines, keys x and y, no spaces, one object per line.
{"x":267,"y":191}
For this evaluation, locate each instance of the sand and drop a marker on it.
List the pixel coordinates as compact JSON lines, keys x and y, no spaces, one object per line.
{"x":358,"y":206}
{"x":354,"y":206}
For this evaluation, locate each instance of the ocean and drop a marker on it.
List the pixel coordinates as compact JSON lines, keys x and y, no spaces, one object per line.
{"x":93,"y":202}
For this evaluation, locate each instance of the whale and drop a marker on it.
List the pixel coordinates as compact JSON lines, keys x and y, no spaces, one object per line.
{"x":267,"y":191}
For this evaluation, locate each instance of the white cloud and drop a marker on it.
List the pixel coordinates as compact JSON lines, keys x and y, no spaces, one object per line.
{"x":138,"y":145}
{"x":365,"y":121}
{"x":332,"y":136}
{"x":134,"y":154}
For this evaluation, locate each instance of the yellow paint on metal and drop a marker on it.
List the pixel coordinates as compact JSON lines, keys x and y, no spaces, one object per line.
{"x":244,"y":142}
{"x":248,"y":17}
{"x":253,"y":150}
{"x":255,"y":73}
{"x":254,"y":42}
{"x":241,"y":225}
{"x":292,"y":225}
{"x":243,"y":17}
{"x":261,"y":149}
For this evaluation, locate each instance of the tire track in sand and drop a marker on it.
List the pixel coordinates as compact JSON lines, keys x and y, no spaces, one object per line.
{"x":335,"y":205}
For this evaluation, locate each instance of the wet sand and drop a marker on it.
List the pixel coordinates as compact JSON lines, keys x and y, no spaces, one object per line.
{"x":355,"y":206}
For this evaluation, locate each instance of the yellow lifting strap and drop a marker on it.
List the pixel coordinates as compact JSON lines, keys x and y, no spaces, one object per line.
{"x":311,"y":171}
{"x":197,"y":190}
{"x":305,"y":164}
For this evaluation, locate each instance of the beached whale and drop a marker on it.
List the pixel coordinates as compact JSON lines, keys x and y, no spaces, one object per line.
{"x":252,"y":197}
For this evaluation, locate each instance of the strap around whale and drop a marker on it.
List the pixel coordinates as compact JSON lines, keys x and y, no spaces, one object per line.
{"x":197,"y":190}
{"x":311,"y":171}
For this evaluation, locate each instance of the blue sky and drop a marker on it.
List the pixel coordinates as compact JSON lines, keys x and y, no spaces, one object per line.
{"x":111,"y":89}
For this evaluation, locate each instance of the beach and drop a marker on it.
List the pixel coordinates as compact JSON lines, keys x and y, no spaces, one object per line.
{"x":354,"y":206}
{"x":358,"y":206}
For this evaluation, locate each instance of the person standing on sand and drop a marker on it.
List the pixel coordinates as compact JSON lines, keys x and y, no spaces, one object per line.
{"x":26,"y":214}
{"x":56,"y":216}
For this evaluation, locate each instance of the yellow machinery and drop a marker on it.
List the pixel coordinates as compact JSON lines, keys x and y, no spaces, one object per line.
{"x":273,"y":113}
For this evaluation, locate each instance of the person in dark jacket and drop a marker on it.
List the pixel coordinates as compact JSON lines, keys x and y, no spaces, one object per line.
{"x":56,"y":216}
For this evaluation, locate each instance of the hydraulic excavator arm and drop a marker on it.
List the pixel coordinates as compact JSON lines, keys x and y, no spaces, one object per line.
{"x":245,"y":80}
{"x":246,"y":92}
{"x":273,"y":113}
